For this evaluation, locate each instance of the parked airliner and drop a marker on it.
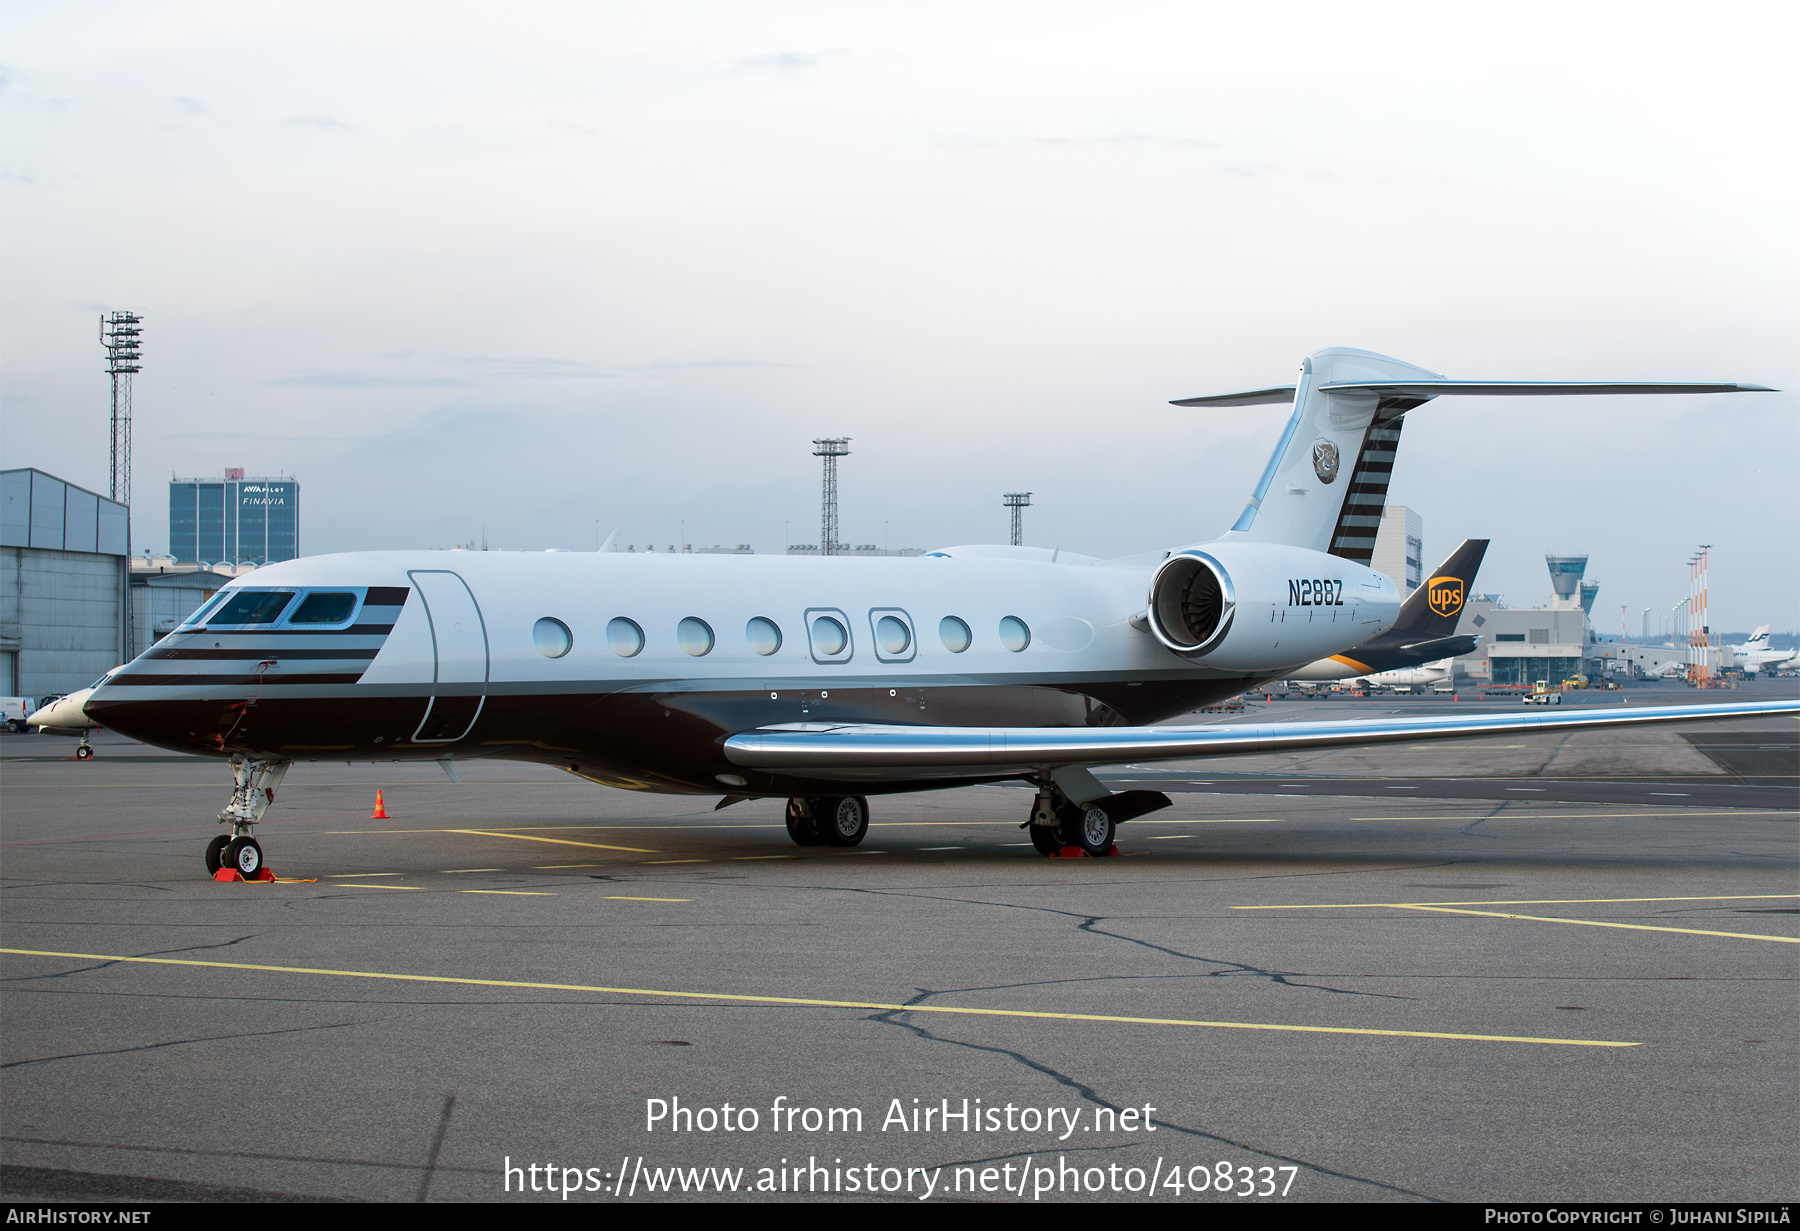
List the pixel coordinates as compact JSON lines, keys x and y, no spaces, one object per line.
{"x":1417,"y":649}
{"x":1755,"y":656}
{"x":825,"y":681}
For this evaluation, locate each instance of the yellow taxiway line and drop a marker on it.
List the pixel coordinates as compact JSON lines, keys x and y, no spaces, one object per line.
{"x":808,"y":1002}
{"x":525,"y":837}
{"x":1600,"y":923}
{"x":1717,"y":897}
{"x":1452,"y":908}
{"x":1686,"y":813}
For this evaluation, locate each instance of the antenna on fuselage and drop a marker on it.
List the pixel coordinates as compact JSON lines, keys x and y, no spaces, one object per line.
{"x":830,"y":448}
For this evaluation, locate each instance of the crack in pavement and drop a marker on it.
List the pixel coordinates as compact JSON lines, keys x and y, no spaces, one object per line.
{"x":277,"y":1158}
{"x":220,"y":1038}
{"x":1554,"y":753}
{"x":888,"y":1017}
{"x":437,"y":1144}
{"x":1090,"y":924}
{"x":1236,"y":968}
{"x":79,"y":970}
{"x":1498,"y":809}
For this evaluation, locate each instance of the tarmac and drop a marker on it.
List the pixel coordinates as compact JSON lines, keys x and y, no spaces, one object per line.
{"x":1544,"y":968}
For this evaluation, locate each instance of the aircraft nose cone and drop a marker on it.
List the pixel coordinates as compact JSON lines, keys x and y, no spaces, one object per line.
{"x":66,"y":711}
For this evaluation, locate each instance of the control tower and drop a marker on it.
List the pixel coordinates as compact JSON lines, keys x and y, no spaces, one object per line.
{"x":1565,"y":580}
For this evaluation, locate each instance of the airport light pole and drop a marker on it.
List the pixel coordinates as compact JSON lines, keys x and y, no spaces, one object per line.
{"x":830,"y":448}
{"x":1017,"y":502}
{"x":120,"y":336}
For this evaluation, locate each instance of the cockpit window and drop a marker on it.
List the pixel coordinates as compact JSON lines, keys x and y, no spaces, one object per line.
{"x":253,"y":607}
{"x":206,"y":608}
{"x":324,"y":608}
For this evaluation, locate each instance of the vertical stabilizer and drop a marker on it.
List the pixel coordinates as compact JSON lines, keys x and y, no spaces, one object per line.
{"x":1326,"y":482}
{"x":1434,"y":608}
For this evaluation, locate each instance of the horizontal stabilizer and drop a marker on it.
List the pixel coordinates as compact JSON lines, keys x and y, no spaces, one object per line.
{"x":1442,"y":647}
{"x":1517,"y":388}
{"x":890,"y":753}
{"x":1243,"y":397}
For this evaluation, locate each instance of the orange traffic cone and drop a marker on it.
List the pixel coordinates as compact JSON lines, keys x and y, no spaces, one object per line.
{"x":380,"y":810}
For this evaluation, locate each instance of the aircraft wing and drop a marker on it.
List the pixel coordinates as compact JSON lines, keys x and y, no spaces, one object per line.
{"x":1540,"y":388}
{"x":894,"y":753}
{"x":1477,"y":388}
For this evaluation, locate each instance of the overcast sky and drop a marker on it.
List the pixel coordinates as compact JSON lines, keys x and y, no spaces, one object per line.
{"x":544,"y":267}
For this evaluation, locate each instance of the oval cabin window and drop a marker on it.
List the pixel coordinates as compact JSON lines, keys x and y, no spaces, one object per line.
{"x":893,"y":635}
{"x":764,"y":635}
{"x":1013,"y":634}
{"x":695,"y":636}
{"x":955,"y":634}
{"x":829,"y":637}
{"x":624,"y":636}
{"x":552,"y":637}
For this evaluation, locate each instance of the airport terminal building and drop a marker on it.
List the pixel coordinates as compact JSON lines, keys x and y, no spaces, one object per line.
{"x":234,"y":519}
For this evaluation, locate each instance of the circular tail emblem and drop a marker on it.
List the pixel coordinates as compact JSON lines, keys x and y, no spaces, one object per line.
{"x":1325,"y":461}
{"x":1445,"y":594}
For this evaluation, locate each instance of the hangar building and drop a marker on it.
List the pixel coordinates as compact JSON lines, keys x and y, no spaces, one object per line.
{"x":63,"y":581}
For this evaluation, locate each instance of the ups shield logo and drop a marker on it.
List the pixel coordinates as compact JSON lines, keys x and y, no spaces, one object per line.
{"x":1445,"y":594}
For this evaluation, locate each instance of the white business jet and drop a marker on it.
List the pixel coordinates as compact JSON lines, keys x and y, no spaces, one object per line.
{"x":67,"y":715}
{"x":825,"y":681}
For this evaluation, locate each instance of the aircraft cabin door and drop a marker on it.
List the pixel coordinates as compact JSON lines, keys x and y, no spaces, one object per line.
{"x":460,"y":649}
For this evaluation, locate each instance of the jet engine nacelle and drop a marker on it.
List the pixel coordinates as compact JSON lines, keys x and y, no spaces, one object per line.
{"x":1264,"y":607}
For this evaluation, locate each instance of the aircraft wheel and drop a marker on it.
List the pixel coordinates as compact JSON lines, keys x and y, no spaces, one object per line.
{"x":844,"y":820}
{"x":800,"y":823}
{"x":1092,"y":831}
{"x":84,"y":753}
{"x":244,"y":856}
{"x":1046,"y":838}
{"x":215,"y":853}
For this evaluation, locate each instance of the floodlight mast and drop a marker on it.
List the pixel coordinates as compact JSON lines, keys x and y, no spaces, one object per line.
{"x":830,"y":448}
{"x":1017,"y":501}
{"x":119,"y":334}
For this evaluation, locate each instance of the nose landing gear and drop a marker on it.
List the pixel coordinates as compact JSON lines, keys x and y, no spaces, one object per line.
{"x":84,"y":751}
{"x":240,"y":856}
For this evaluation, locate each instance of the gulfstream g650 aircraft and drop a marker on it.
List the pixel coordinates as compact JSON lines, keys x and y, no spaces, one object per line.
{"x":826,"y":681}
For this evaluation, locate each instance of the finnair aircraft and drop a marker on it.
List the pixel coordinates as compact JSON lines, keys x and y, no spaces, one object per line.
{"x":825,"y":681}
{"x":1756,"y":656}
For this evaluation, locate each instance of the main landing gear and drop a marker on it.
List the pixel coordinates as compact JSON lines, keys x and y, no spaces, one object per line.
{"x":832,"y":820}
{"x":1059,"y":826}
{"x":253,"y":792}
